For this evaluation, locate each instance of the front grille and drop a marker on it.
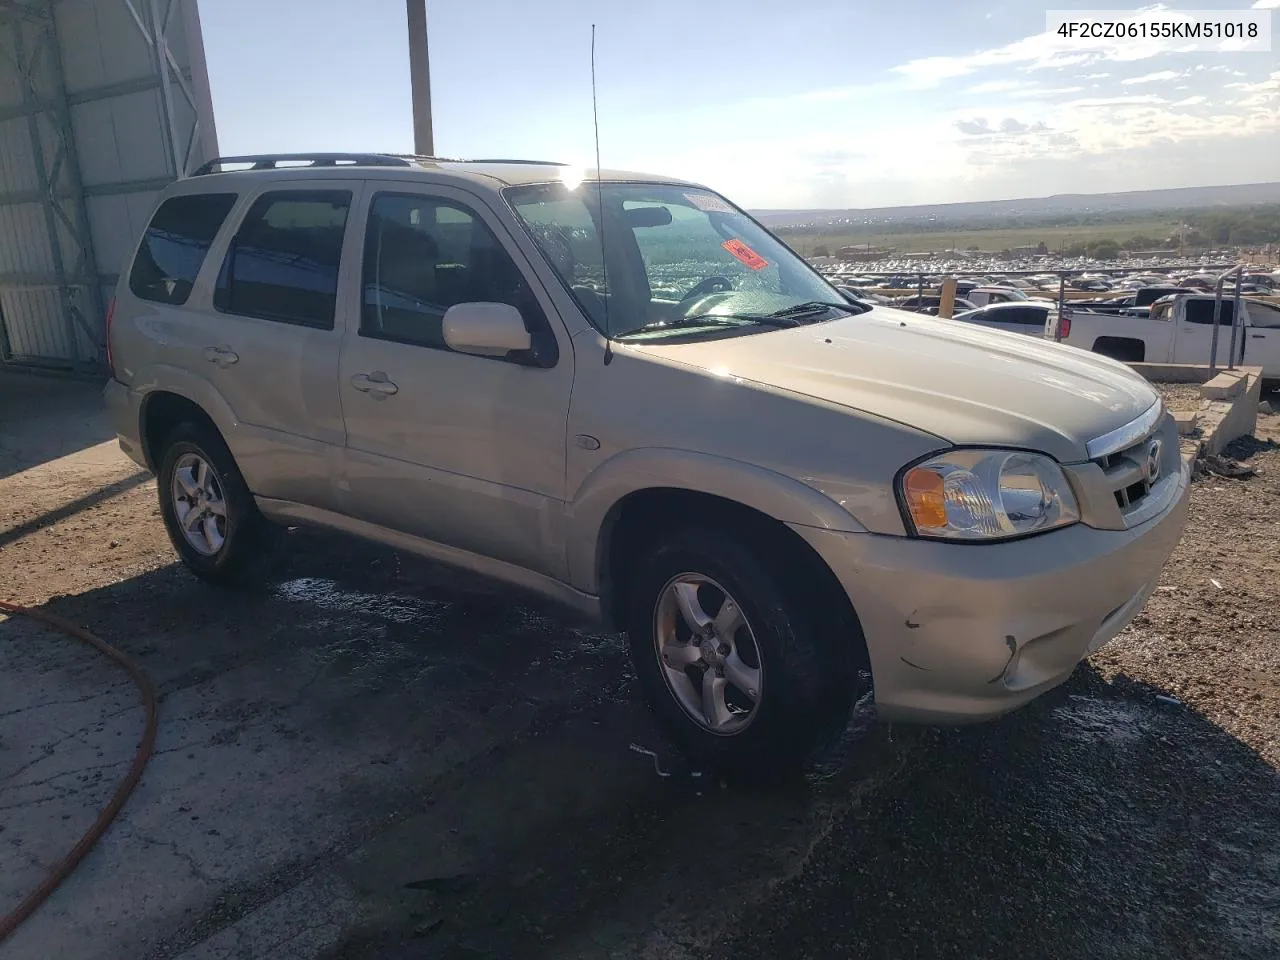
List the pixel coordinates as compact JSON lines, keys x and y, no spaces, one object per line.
{"x":1126,"y":472}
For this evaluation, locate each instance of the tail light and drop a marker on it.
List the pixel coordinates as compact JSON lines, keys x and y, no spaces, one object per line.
{"x":1064,"y":326}
{"x":111,"y":312}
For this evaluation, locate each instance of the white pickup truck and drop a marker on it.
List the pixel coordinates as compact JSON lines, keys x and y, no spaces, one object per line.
{"x":1179,"y":329}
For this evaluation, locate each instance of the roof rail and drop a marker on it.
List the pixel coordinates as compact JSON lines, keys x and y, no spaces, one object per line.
{"x":270,"y":161}
{"x":539,"y":163}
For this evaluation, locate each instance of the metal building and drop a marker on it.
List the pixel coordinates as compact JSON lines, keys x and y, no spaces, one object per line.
{"x":102,"y":102}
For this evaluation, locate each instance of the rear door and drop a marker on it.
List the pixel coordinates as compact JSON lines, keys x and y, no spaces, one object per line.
{"x":272,"y":336}
{"x":1193,"y":339}
{"x":1262,"y":337}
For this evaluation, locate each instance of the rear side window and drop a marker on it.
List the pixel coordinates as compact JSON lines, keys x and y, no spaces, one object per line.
{"x":175,"y":245}
{"x":1023,"y":316}
{"x":283,"y":261}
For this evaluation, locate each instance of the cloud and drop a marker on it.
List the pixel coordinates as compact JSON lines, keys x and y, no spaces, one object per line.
{"x":1190,"y":102}
{"x":1096,"y":76}
{"x":1009,"y":126}
{"x":995,"y":86}
{"x":1041,"y":51}
{"x":1042,"y":92}
{"x":1146,"y":98}
{"x":1261,"y":94}
{"x":1157,"y":77}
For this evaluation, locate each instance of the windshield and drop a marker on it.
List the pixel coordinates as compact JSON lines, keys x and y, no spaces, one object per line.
{"x":679,"y":260}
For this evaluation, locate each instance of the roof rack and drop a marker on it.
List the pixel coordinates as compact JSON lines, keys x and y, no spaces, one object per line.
{"x":270,"y":161}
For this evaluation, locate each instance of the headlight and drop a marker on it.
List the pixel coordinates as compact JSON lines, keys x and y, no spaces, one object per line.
{"x":986,"y":495}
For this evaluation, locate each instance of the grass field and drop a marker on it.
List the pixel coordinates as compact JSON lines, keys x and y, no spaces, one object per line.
{"x":1056,"y":238}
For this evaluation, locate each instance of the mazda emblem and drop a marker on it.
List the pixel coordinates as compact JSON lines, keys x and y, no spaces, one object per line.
{"x":1153,"y":462}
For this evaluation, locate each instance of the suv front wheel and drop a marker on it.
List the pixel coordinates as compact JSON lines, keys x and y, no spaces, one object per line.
{"x":736,"y":666}
{"x":208,"y":511}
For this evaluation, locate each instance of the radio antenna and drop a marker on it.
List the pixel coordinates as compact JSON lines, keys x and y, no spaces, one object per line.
{"x":604,"y":263}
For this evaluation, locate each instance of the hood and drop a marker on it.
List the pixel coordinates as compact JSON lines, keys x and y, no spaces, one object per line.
{"x":966,"y":384}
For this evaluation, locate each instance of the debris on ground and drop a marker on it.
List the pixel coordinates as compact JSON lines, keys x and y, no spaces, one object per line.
{"x":1217,"y":465}
{"x":657,"y":767}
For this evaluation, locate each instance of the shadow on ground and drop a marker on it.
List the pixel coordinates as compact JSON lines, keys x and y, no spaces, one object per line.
{"x":43,"y":418}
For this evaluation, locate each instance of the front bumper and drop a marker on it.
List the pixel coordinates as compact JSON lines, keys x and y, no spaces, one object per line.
{"x":964,"y":632}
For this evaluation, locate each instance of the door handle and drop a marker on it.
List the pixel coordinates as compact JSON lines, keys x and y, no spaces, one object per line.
{"x":222,"y":356}
{"x":1257,"y":336}
{"x":375,"y":384}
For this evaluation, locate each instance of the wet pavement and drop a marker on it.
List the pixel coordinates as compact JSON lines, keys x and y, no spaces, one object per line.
{"x":373,"y":758}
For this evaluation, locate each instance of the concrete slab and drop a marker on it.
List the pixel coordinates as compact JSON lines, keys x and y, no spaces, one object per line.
{"x":1186,"y":420}
{"x":1173,"y":372}
{"x":1225,"y":385}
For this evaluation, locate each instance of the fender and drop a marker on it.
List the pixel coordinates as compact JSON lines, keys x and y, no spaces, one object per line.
{"x":773,"y":494}
{"x":163,"y":378}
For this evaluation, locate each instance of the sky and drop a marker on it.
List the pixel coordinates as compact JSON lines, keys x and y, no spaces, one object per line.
{"x":796,"y":104}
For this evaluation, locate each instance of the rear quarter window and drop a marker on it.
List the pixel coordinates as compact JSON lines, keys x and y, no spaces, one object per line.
{"x":175,"y":245}
{"x":1264,"y":315}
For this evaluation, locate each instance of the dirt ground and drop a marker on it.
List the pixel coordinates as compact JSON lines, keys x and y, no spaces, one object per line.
{"x":371,"y":757}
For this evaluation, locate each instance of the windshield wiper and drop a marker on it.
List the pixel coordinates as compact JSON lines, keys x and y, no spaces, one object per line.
{"x":811,"y":307}
{"x":715,"y":320}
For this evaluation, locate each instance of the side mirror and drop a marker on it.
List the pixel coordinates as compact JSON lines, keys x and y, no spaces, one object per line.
{"x":485,"y":329}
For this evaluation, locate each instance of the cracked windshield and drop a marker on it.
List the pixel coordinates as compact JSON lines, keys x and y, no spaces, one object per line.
{"x":680,"y":260}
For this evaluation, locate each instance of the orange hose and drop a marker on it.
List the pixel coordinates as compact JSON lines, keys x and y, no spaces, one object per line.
{"x":64,"y":867}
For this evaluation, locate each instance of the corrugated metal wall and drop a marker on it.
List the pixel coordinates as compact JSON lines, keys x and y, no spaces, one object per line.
{"x":102,"y":102}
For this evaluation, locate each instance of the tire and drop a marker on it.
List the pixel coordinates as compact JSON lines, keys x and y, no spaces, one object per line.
{"x":235,"y":542}
{"x":803,"y":681}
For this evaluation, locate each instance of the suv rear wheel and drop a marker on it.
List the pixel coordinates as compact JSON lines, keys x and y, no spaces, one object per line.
{"x":208,"y":511}
{"x":734,"y":665}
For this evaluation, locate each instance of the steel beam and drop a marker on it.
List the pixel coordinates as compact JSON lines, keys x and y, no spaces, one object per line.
{"x":122,"y":89}
{"x":59,"y":189}
{"x":26,"y":69}
{"x":31,"y":279}
{"x":94,"y":190}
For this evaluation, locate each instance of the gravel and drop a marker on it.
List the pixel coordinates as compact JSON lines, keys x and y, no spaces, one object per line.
{"x":1180,"y":396}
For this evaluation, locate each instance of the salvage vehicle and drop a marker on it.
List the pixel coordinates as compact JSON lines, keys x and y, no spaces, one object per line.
{"x":1179,"y":329}
{"x":1030,"y":318}
{"x":986,"y":296}
{"x":622,"y":392}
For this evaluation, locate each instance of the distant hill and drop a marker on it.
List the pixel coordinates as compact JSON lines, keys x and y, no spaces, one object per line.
{"x":1135,"y":201}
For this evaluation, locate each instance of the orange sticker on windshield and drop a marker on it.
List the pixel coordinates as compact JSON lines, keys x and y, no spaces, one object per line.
{"x":745,"y":254}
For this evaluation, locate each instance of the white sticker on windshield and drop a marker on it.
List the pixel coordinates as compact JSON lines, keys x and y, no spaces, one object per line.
{"x":708,"y":203}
